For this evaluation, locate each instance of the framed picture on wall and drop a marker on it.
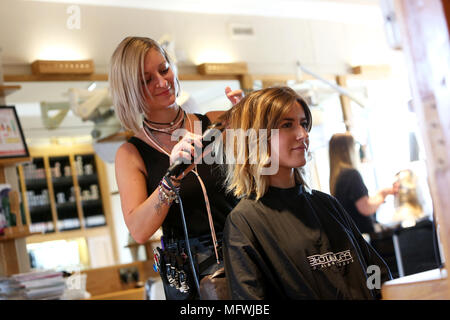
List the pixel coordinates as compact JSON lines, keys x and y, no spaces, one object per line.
{"x":12,"y":140}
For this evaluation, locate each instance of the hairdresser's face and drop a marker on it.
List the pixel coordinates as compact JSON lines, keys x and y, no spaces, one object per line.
{"x":293,"y":138}
{"x":159,"y":80}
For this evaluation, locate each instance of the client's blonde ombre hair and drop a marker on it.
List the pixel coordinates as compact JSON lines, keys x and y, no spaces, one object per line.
{"x":262,"y":109}
{"x":126,"y":75}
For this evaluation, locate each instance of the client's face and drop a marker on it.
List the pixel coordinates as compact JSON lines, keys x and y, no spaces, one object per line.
{"x":293,"y":138}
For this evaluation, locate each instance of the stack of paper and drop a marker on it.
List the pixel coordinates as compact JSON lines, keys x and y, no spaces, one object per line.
{"x":41,"y":285}
{"x":11,"y":289}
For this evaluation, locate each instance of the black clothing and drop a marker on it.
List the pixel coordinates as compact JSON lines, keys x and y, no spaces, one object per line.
{"x":349,"y":188}
{"x":292,"y":244}
{"x":157,"y":163}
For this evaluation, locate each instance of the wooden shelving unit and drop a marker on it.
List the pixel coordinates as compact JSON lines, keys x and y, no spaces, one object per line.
{"x":60,"y":202}
{"x":81,"y":209}
{"x":54,"y":77}
{"x":102,"y":77}
{"x":12,"y":243}
{"x":69,"y":234}
{"x":13,"y":233}
{"x":6,"y":90}
{"x":105,"y":283}
{"x":12,"y":161}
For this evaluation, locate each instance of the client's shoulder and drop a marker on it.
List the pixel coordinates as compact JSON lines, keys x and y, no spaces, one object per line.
{"x":244,"y":205}
{"x":247,"y":209}
{"x":321,"y":196}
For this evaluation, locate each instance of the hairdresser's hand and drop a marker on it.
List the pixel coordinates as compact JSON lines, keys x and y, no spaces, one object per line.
{"x":234,"y":95}
{"x":187,"y":148}
{"x":388,"y":191}
{"x":395,"y":187}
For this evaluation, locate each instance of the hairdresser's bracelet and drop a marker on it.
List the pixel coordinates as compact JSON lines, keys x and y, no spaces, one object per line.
{"x":166,"y":194}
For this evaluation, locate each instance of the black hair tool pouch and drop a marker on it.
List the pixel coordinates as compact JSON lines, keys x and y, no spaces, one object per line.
{"x":176,"y":274}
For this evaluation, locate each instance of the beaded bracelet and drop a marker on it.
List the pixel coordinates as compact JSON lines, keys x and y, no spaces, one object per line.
{"x":166,"y":194}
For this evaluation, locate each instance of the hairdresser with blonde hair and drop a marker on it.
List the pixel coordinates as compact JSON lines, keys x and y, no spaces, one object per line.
{"x":284,"y":240}
{"x":347,"y":185}
{"x":144,"y":87}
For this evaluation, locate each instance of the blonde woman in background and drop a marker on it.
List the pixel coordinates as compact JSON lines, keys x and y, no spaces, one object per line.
{"x":144,"y":87}
{"x":284,"y":241}
{"x":347,"y":185}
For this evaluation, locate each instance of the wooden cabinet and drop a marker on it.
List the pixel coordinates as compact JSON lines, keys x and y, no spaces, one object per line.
{"x":13,"y":256}
{"x":88,"y":181}
{"x":65,"y":195}
{"x":37,"y":205}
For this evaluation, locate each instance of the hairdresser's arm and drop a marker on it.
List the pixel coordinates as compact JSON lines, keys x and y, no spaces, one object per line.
{"x":369,"y":205}
{"x":144,"y":214}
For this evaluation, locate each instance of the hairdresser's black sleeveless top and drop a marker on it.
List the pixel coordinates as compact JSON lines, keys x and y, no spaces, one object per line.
{"x":156,"y":164}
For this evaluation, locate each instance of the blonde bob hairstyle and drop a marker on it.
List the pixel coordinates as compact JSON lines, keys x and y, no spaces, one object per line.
{"x":262,"y":109}
{"x":126,"y":77}
{"x":341,"y":151}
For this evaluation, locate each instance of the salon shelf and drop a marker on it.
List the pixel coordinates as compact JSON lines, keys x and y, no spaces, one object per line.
{"x":92,"y":208}
{"x":91,"y":203}
{"x":41,"y":213}
{"x":69,"y":218}
{"x":34,"y":184}
{"x":87,"y":179}
{"x":12,"y":161}
{"x":104,"y":77}
{"x":12,"y":233}
{"x":64,"y":226}
{"x":66,"y":206}
{"x":8,"y":89}
{"x":40,"y":209}
{"x":62,"y":182}
{"x":96,"y":225}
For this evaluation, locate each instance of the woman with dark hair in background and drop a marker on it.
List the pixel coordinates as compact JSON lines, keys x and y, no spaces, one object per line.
{"x":347,"y":185}
{"x":283,"y":240}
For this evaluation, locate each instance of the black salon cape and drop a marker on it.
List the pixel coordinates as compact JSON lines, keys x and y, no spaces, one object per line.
{"x":278,"y":248}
